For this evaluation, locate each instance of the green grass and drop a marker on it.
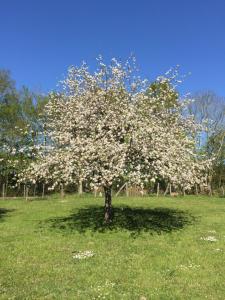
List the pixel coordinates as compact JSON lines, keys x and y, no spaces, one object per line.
{"x":153,"y":249}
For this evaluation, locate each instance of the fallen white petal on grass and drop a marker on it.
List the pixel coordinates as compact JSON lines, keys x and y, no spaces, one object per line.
{"x":191,"y":266}
{"x":209,"y":238}
{"x":83,"y":255}
{"x":212,"y":231}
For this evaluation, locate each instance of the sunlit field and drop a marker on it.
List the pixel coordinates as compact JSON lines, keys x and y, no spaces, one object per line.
{"x":156,"y":248}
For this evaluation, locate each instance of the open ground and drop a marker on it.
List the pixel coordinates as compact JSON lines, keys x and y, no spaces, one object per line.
{"x":155,"y":248}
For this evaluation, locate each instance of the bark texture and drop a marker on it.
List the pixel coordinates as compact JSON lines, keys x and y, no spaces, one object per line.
{"x":108,"y":204}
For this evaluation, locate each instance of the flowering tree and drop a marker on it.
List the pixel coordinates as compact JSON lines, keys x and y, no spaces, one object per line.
{"x":108,"y":125}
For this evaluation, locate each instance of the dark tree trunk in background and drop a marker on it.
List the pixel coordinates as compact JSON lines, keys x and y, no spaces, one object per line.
{"x":24,"y":190}
{"x":62,"y":192}
{"x":35,"y":186}
{"x":127,"y":189}
{"x":108,"y":203}
{"x":6,"y":186}
{"x":43,"y":190}
{"x":170,"y":189}
{"x":167,"y":188}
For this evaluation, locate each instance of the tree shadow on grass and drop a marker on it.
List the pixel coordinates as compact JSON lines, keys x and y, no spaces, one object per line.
{"x":3,"y":212}
{"x":132,"y":219}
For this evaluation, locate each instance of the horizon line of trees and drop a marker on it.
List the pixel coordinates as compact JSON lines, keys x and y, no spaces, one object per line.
{"x":22,"y":119}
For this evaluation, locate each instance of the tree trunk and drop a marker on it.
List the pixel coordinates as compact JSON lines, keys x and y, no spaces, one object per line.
{"x":121,"y":189}
{"x":6,"y":185}
{"x":210,"y":185}
{"x":210,"y":189}
{"x":27,"y":193}
{"x":167,"y":188}
{"x":108,"y":204}
{"x":127,"y":190}
{"x":80,"y":188}
{"x":43,"y":190}
{"x":158,"y":189}
{"x":24,"y":191}
{"x":220,"y":180}
{"x":222,"y":190}
{"x":95,"y":191}
{"x":196,"y":189}
{"x":18,"y":190}
{"x":3,"y":191}
{"x":62,"y":192}
{"x":35,"y":186}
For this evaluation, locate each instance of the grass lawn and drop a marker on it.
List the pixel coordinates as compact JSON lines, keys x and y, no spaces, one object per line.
{"x":155,"y":249}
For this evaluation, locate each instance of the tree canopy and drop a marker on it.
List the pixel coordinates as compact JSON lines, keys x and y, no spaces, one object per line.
{"x":110,"y":124}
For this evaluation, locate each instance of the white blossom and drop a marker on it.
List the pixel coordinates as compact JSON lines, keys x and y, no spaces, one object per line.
{"x":83,"y":255}
{"x":209,"y":239}
{"x":108,"y":125}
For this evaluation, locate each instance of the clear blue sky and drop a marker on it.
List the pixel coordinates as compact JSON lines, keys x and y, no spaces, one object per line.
{"x":39,"y":39}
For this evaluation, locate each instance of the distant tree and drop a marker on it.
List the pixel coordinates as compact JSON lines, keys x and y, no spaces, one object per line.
{"x":216,"y":149}
{"x":20,"y":126}
{"x":209,"y":109}
{"x":9,"y":121}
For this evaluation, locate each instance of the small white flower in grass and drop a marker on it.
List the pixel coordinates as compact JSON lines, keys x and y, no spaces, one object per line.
{"x":83,"y":255}
{"x":143,"y":298}
{"x":218,"y":250}
{"x":212,"y":231}
{"x":190,"y":266}
{"x":209,"y":239}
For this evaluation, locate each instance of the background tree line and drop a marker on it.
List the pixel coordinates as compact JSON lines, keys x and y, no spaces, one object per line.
{"x":21,"y":126}
{"x":21,"y":113}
